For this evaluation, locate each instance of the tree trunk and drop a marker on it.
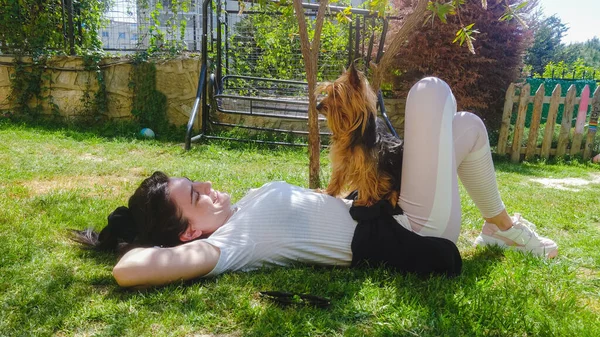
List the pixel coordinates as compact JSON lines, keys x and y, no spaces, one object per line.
{"x":310,"y":54}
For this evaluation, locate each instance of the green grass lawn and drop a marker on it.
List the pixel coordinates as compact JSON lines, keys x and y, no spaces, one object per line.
{"x":52,"y":180}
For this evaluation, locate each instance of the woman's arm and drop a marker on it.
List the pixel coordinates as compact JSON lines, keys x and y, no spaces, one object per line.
{"x":158,"y":266}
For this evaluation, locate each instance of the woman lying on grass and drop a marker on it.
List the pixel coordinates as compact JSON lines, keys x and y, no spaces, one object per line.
{"x":186,"y":229}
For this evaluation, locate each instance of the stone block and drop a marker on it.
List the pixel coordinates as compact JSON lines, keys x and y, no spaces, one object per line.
{"x":69,"y":102}
{"x":6,"y":59}
{"x":169,"y":66}
{"x":87,"y":80}
{"x":4,"y":76}
{"x":71,"y":62}
{"x":119,"y":106}
{"x":117,"y":78}
{"x":191,"y":64}
{"x":4,"y":101}
{"x":65,"y":79}
{"x":173,"y":85}
{"x":178,"y":114}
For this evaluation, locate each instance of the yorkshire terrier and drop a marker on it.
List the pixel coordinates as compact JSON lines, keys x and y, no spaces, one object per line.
{"x":365,"y":156}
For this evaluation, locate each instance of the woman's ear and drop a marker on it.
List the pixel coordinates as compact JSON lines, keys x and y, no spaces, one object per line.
{"x":190,"y":234}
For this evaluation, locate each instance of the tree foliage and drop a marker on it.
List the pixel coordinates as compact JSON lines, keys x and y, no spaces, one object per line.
{"x":266,"y":45}
{"x":165,"y":32}
{"x":35,"y":27}
{"x":575,"y":70}
{"x":479,"y":80}
{"x":547,"y":44}
{"x":588,"y":51}
{"x":550,"y":57}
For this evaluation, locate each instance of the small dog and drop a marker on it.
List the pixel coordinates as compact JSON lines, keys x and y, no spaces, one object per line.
{"x":365,"y":156}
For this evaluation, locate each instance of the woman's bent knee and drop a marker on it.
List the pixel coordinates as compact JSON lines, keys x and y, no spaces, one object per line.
{"x":430,"y":98}
{"x":428,"y":88}
{"x":469,"y":120}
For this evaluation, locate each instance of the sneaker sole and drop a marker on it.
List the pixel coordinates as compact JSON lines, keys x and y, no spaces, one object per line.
{"x":486,"y":240}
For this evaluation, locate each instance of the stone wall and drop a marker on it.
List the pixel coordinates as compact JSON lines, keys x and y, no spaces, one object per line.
{"x":395,"y":110}
{"x":178,"y":80}
{"x":67,"y":81}
{"x":5,"y":89}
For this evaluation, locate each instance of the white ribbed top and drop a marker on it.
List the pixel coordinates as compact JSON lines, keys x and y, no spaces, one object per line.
{"x":279,"y":224}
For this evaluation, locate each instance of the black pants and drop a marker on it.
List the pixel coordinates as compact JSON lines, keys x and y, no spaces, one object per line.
{"x":380,"y":240}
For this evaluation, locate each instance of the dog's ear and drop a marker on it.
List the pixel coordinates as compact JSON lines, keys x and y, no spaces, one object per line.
{"x":354,"y":77}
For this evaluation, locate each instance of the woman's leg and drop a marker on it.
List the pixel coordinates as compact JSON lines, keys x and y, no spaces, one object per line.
{"x":439,"y":144}
{"x":476,"y":171}
{"x":429,"y":190}
{"x":476,"y":168}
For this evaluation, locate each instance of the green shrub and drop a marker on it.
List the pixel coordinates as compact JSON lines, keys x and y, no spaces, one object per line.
{"x":33,"y":27}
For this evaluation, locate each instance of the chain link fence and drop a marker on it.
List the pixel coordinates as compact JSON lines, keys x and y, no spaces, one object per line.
{"x":133,"y":25}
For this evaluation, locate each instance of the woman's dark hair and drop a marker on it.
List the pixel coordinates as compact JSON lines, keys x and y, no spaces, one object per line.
{"x":152,"y":219}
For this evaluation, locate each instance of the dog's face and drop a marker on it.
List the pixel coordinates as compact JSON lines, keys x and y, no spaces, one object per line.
{"x":348,"y":102}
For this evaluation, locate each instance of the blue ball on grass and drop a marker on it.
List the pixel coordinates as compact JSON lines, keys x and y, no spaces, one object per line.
{"x":147,"y":133}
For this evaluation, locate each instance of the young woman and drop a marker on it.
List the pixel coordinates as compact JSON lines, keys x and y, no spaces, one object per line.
{"x":190,"y":230}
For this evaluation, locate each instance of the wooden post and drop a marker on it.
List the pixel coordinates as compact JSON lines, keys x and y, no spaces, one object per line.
{"x":550,"y":122}
{"x":580,"y":122}
{"x":310,"y":54}
{"x":520,"y":124}
{"x":593,"y":125}
{"x":535,"y":122}
{"x":565,"y":129}
{"x":506,"y":116}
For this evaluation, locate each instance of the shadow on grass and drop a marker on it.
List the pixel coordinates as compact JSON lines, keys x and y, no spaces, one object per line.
{"x":42,"y":306}
{"x":356,"y":293}
{"x":128,"y":130}
{"x":361,"y":299}
{"x":80,"y":131}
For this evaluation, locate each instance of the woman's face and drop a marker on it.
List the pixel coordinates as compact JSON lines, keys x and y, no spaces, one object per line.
{"x":205,"y":209}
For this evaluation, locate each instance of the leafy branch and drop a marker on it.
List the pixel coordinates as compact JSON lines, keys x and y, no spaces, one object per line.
{"x":512,"y":12}
{"x":466,"y":33}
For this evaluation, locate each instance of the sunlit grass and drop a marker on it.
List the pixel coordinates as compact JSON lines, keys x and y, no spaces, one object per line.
{"x":54,"y":180}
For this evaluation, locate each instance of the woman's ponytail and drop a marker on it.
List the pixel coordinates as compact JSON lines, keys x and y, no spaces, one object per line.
{"x":120,"y":229}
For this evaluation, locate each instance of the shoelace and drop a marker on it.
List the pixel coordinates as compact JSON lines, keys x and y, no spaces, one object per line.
{"x":523,"y":223}
{"x":285,"y":298}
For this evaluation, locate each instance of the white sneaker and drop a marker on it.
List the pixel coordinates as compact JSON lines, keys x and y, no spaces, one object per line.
{"x":521,"y":236}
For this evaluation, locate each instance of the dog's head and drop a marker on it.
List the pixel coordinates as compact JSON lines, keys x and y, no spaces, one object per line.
{"x":348,"y":102}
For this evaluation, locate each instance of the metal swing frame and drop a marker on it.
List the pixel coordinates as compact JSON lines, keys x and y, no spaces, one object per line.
{"x":212,"y":95}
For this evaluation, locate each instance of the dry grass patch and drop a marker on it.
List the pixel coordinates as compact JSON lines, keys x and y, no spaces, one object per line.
{"x":568,"y":184}
{"x":93,"y":185}
{"x":590,"y":302}
{"x":91,"y":157}
{"x":587,"y":274}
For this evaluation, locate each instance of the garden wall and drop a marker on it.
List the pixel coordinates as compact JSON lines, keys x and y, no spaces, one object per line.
{"x":66,"y":83}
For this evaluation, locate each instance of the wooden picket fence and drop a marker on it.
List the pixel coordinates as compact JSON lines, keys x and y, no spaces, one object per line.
{"x":566,"y":145}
